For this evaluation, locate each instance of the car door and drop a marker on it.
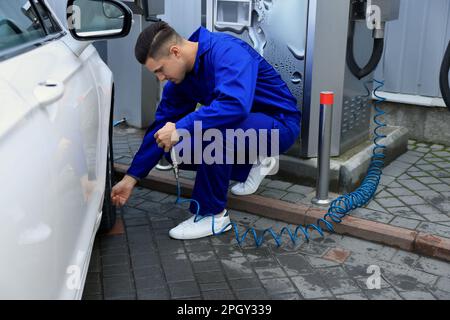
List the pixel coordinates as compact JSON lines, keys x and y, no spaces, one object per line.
{"x":53,"y":154}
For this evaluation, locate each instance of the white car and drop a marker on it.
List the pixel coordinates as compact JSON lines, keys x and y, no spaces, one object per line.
{"x":56,"y":96}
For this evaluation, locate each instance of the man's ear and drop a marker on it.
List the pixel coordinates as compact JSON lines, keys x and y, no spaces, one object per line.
{"x":175,"y":50}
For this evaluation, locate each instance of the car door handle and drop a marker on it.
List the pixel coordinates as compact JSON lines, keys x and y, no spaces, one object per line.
{"x":48,"y":92}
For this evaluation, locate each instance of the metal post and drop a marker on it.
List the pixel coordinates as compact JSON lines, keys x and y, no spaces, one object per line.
{"x":323,"y":161}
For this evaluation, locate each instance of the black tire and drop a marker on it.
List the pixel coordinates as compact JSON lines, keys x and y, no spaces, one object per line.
{"x":109,"y":210}
{"x":443,"y":78}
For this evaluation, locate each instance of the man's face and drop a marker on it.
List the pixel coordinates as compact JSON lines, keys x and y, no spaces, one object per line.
{"x":168,"y":67}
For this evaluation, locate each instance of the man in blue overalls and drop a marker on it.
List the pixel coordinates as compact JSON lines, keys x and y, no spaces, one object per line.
{"x":238,"y":89}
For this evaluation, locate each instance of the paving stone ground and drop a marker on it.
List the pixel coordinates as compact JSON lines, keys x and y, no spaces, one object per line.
{"x":144,"y":263}
{"x":414,"y":192}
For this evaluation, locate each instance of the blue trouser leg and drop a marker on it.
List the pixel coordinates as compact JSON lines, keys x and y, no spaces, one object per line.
{"x":212,"y":180}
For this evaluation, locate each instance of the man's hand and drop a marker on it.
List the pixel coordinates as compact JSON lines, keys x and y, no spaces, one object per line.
{"x":167,"y":136}
{"x":121,"y":192}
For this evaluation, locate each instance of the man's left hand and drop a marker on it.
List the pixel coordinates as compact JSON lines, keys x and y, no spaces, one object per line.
{"x":167,"y":136}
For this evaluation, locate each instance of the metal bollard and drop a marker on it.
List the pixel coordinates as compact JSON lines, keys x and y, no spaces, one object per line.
{"x":323,"y":161}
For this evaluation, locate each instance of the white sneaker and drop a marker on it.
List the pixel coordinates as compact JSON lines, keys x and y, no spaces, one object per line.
{"x":255,"y":177}
{"x":190,"y":229}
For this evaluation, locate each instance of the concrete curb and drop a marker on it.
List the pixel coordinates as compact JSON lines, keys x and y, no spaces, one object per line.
{"x":348,"y":170}
{"x":354,"y":170}
{"x":299,"y":214}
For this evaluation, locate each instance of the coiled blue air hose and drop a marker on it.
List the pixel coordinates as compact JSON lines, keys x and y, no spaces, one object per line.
{"x":116,"y":123}
{"x":338,"y":209}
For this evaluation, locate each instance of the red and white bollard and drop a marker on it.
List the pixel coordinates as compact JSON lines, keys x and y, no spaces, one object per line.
{"x":323,"y":161}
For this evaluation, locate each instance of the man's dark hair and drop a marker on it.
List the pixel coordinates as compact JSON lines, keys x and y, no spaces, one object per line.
{"x":153,"y":39}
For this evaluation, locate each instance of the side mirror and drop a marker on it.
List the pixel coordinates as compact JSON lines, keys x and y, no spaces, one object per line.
{"x":98,"y":19}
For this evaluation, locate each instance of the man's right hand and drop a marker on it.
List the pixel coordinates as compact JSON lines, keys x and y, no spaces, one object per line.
{"x":121,"y":192}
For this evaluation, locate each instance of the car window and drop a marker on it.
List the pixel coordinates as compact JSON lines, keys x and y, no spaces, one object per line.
{"x":20,"y":24}
{"x":49,"y":22}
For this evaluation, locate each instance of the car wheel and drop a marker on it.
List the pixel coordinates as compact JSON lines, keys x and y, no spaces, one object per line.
{"x":109,"y":210}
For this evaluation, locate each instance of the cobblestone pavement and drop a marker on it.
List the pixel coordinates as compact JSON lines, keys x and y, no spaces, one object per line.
{"x":414,"y":192}
{"x":144,"y":263}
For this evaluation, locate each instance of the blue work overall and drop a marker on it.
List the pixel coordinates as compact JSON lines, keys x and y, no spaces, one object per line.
{"x":238,"y":89}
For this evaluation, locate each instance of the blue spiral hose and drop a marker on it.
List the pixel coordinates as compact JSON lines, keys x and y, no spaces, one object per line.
{"x":338,"y":209}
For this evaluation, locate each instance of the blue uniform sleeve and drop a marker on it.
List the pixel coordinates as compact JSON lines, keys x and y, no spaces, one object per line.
{"x":235,"y":74}
{"x":174,"y":105}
